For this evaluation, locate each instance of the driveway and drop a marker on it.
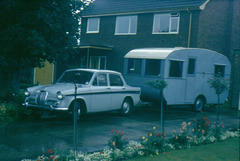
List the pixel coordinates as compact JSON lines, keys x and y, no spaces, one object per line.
{"x":30,"y":138}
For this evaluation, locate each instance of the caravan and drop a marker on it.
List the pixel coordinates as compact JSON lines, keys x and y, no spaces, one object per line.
{"x":186,"y":70}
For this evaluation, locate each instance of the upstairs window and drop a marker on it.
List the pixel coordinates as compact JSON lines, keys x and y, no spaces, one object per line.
{"x":153,"y":67}
{"x":219,"y":70}
{"x":166,"y":23}
{"x":93,"y":25}
{"x":191,"y":66}
{"x":176,"y":68}
{"x":134,"y":66}
{"x":126,"y":25}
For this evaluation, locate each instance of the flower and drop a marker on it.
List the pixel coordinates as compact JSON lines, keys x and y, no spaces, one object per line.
{"x":143,"y":138}
{"x":112,"y":130}
{"x":189,"y":124}
{"x":157,"y":153}
{"x":150,"y":134}
{"x":50,"y":151}
{"x":154,"y":128}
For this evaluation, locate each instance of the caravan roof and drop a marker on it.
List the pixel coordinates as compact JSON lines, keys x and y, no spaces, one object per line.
{"x":151,"y":53}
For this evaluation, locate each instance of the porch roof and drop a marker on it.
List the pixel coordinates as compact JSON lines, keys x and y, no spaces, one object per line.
{"x":93,"y":47}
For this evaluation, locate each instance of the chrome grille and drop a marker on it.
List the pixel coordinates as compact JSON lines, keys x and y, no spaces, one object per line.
{"x":41,"y":97}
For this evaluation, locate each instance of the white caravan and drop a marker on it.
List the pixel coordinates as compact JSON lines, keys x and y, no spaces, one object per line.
{"x":186,"y":70}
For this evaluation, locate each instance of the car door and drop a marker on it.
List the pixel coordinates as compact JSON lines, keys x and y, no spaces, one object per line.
{"x":100,"y":93}
{"x":118,"y":90}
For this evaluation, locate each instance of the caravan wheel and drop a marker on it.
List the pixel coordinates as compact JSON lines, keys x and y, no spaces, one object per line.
{"x":199,"y":103}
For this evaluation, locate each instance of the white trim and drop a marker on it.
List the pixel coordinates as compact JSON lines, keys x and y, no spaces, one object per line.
{"x":34,"y":75}
{"x":202,"y":7}
{"x":98,"y":24}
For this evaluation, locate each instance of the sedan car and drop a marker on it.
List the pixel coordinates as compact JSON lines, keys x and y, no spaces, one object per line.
{"x":86,"y":90}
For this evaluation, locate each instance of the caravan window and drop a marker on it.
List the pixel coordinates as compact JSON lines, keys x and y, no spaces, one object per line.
{"x":152,"y":67}
{"x":191,"y":66}
{"x":134,"y":66}
{"x":175,"y":68}
{"x":219,"y":70}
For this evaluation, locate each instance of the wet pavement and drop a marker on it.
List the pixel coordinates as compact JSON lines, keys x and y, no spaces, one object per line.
{"x":30,"y":138}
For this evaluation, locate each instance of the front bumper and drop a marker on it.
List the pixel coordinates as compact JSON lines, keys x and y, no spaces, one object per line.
{"x":44,"y":107}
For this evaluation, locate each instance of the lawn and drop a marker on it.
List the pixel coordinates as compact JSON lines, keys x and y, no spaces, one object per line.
{"x":227,"y":150}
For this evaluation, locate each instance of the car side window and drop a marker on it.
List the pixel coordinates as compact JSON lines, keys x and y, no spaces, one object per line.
{"x":115,"y":80}
{"x":100,"y":80}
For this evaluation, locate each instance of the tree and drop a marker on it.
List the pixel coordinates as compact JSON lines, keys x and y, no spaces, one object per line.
{"x":33,"y":31}
{"x":159,"y":85}
{"x":219,"y":84}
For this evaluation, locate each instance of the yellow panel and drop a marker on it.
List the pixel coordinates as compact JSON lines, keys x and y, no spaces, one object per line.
{"x":44,"y":75}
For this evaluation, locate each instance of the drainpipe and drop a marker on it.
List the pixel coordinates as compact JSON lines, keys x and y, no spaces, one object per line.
{"x":189,"y":28}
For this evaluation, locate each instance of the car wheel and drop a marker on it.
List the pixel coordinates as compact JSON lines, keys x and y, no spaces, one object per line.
{"x":199,"y":104}
{"x":126,"y":107}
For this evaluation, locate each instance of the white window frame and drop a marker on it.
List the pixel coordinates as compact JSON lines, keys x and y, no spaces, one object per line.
{"x":129,"y":25}
{"x":99,"y":61}
{"x":98,"y":23}
{"x":172,"y":17}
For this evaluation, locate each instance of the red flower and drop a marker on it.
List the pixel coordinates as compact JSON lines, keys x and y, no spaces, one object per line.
{"x":112,"y":130}
{"x":195,"y":120}
{"x":164,"y":153}
{"x":50,"y":151}
{"x":122,"y":133}
{"x":52,"y":157}
{"x":100,"y":152}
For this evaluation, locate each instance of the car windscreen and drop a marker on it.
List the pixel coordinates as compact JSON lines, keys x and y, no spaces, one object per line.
{"x":80,"y":77}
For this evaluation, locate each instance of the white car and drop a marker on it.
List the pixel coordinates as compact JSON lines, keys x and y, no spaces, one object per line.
{"x":93,"y":90}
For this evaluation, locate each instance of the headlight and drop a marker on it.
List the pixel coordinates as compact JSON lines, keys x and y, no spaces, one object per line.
{"x":26,"y":92}
{"x":60,"y":95}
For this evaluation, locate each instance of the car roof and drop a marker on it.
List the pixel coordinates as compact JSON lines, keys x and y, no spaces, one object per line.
{"x":94,"y":70}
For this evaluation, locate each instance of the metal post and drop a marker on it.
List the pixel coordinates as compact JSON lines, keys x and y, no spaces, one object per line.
{"x":162,"y":124}
{"x":75,"y":119}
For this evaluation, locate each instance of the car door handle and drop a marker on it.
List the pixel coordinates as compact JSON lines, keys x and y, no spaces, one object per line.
{"x":123,"y":88}
{"x":108,"y":88}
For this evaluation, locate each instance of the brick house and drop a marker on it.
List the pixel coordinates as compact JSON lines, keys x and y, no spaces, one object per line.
{"x":111,"y":28}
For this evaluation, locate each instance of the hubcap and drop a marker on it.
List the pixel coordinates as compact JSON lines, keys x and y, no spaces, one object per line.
{"x":126,"y":107}
{"x":199,"y":104}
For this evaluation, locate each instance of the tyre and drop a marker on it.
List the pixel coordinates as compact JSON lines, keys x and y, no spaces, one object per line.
{"x":126,"y":107}
{"x":199,"y":104}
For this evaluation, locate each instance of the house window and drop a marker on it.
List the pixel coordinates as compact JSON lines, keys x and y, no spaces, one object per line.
{"x":152,"y":67}
{"x":191,"y":66}
{"x":115,"y":80}
{"x":166,"y":23}
{"x":219,"y":70}
{"x":175,"y":68}
{"x":93,"y":25}
{"x":134,"y":66}
{"x":126,"y":25}
{"x":98,"y":62}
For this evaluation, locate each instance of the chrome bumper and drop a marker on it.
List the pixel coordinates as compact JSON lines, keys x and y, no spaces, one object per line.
{"x":45,"y":107}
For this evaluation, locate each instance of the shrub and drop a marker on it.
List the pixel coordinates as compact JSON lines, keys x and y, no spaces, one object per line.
{"x":182,"y":139}
{"x":118,"y":140}
{"x":201,"y":126}
{"x":154,"y":142}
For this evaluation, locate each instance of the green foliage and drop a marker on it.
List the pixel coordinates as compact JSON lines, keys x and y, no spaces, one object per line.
{"x":182,"y":139}
{"x":159,"y":85}
{"x":33,"y":31}
{"x":118,"y":140}
{"x":201,"y":126}
{"x":219,"y":84}
{"x":154,"y":142}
